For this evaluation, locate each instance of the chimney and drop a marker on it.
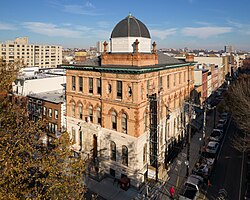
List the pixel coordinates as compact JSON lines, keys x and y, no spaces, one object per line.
{"x":137,"y":46}
{"x":189,"y":58}
{"x":105,"y":47}
{"x":154,"y":47}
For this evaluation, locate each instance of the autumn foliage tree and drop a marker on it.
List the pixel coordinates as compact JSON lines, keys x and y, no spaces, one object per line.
{"x":238,"y":103}
{"x":30,"y":170}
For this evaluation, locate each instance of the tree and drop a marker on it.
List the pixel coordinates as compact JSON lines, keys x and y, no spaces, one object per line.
{"x":237,"y":102}
{"x":30,"y":170}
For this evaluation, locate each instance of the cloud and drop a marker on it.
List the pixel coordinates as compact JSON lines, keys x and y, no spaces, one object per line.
{"x":163,"y":34}
{"x":103,"y":24}
{"x":7,"y":27}
{"x":242,"y":28}
{"x":51,"y":30}
{"x":206,"y":32}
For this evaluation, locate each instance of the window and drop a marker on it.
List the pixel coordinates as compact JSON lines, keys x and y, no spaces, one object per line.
{"x":124,"y":155}
{"x":109,"y":89}
{"x":119,"y":89}
{"x":80,"y":138}
{"x":129,"y":91}
{"x":145,"y":153}
{"x":49,"y":127}
{"x":114,"y":120}
{"x":112,"y":172}
{"x":44,"y":111}
{"x":73,"y":111}
{"x":73,"y":135}
{"x":145,"y":121}
{"x":91,"y":85}
{"x":168,"y":83}
{"x":112,"y":151}
{"x":99,"y":86}
{"x":56,"y":114}
{"x":55,"y":128}
{"x":124,"y":123}
{"x":80,"y":84}
{"x":180,"y":78}
{"x":80,"y":110}
{"x":91,"y":113}
{"x":160,"y":82}
{"x":50,"y":112}
{"x":99,"y":115}
{"x":73,"y":83}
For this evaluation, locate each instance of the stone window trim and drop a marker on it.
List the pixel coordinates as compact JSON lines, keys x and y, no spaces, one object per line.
{"x":124,"y":155}
{"x":113,"y":151}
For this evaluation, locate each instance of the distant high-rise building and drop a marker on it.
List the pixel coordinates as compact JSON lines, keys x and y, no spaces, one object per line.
{"x":228,"y":49}
{"x":43,"y":56}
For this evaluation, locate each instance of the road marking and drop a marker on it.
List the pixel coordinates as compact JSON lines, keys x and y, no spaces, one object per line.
{"x":177,"y":182}
{"x":229,"y":123}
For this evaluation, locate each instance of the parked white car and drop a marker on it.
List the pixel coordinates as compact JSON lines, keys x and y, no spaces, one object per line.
{"x":213,"y":147}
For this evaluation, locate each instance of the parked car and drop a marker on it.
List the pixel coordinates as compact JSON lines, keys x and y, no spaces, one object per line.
{"x":224,"y":115}
{"x":221,"y":127}
{"x":222,"y":121}
{"x":213,"y":147}
{"x":216,"y":135}
{"x":192,"y":188}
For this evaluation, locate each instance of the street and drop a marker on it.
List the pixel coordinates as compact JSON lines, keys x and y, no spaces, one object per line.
{"x":227,"y":172}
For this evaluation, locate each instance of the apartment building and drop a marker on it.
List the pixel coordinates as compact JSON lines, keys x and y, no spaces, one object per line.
{"x":125,"y":108}
{"x":42,"y":56}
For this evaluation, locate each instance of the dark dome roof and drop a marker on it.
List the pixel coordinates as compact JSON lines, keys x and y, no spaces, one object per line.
{"x":130,"y":27}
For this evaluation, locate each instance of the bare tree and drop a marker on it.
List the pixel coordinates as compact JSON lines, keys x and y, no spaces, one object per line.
{"x":237,"y":102}
{"x":30,"y":170}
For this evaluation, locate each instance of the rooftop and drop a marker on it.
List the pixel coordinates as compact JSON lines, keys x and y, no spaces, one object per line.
{"x":56,"y":96}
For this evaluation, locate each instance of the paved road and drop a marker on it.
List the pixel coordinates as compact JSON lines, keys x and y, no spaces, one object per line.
{"x":227,"y":173}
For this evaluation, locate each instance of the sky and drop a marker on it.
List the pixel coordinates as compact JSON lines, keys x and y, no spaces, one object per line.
{"x":196,"y":24}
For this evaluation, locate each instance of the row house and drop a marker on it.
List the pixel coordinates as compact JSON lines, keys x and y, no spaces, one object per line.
{"x":50,"y":106}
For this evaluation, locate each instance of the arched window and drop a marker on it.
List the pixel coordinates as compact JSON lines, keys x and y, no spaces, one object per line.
{"x":145,"y":121}
{"x":99,"y":115}
{"x":73,"y":109}
{"x":124,"y":123}
{"x":91,"y":113}
{"x":145,"y":153}
{"x":112,"y":151}
{"x":124,"y":155}
{"x":80,"y":110}
{"x":114,"y":120}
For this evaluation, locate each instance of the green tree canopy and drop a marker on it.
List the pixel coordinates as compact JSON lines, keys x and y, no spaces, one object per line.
{"x":30,"y":170}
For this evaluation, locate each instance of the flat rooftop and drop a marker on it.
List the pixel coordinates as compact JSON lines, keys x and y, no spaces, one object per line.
{"x":56,"y":96}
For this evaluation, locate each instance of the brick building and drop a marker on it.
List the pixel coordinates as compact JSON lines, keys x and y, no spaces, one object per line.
{"x":125,"y":108}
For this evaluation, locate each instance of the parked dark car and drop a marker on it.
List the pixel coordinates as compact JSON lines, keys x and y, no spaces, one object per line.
{"x":216,"y":135}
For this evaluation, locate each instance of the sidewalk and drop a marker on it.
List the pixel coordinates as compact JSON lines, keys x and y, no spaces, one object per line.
{"x":110,"y":190}
{"x":177,"y":172}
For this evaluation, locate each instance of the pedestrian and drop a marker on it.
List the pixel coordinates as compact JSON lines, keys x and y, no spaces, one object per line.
{"x":171,"y":190}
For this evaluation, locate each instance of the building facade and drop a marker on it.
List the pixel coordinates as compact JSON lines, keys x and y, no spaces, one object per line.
{"x":42,"y":56}
{"x":125,"y":108}
{"x":50,"y":106}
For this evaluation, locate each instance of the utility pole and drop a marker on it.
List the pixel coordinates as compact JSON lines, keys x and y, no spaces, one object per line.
{"x":204,"y":124}
{"x":189,"y":124}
